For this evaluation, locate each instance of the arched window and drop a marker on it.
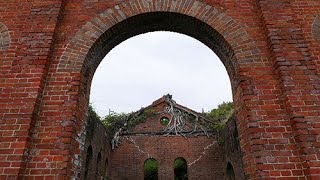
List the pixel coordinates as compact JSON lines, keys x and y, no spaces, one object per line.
{"x":180,"y":169}
{"x":88,"y":162}
{"x":230,"y":172}
{"x":106,"y":168}
{"x":98,"y":166}
{"x":151,"y":169}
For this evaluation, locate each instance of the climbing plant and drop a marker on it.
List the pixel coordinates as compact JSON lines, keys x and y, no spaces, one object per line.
{"x":119,"y":124}
{"x":181,"y":116}
{"x":222,"y":113}
{"x":182,"y":121}
{"x":92,"y":114}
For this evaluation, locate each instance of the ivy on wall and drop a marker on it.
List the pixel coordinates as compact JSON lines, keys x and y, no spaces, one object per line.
{"x":182,"y":121}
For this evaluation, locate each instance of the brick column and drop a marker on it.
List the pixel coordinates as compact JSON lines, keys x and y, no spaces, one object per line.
{"x":299,"y":84}
{"x":23,"y":70}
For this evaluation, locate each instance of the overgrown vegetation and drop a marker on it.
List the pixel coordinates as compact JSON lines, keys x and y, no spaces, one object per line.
{"x":222,"y":113}
{"x":92,"y":114}
{"x":113,"y":122}
{"x":119,"y":124}
{"x":220,"y":116}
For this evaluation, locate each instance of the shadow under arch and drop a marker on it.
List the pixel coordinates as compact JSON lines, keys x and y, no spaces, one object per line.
{"x":88,"y":163}
{"x":221,"y":33}
{"x":230,"y":172}
{"x":180,"y":169}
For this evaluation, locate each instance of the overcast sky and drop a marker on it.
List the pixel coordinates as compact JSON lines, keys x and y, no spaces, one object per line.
{"x":148,"y":66}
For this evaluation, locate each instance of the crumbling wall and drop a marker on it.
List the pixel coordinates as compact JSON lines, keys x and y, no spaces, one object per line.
{"x":96,"y":151}
{"x":229,"y":141}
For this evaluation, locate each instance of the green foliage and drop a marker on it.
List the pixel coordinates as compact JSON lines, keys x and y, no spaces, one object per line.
{"x":151,"y":169}
{"x":219,"y":126}
{"x":92,"y":114}
{"x":222,"y":113}
{"x":115,"y":121}
{"x":140,"y":117}
{"x":180,"y":169}
{"x":220,"y":140}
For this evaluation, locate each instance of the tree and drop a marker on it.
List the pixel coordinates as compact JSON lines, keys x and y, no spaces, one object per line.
{"x":223,"y":113}
{"x":114,"y":121}
{"x":92,"y":114}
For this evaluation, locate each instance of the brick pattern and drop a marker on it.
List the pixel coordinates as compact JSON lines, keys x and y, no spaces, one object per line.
{"x":4,"y":37}
{"x":268,"y":48}
{"x":22,"y":77}
{"x":206,"y":158}
{"x":127,"y":161}
{"x":286,"y":36}
{"x":74,"y":55}
{"x":90,"y":44}
{"x":97,"y":139}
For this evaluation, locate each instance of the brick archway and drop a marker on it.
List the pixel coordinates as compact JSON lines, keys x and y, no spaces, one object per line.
{"x":227,"y":38}
{"x":266,"y":46}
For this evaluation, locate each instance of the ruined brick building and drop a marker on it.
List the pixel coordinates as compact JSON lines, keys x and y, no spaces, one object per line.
{"x":207,"y":156}
{"x":50,"y":49}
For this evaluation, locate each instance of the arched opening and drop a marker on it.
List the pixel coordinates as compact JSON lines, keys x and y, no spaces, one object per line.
{"x":149,"y":22}
{"x":98,"y":166}
{"x":88,"y":162}
{"x":150,"y":169}
{"x":145,"y":67}
{"x":230,"y":172}
{"x":180,"y":169}
{"x":157,"y":22}
{"x":106,"y":167}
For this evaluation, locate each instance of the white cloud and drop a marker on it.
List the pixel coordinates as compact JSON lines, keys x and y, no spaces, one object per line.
{"x":145,"y":67}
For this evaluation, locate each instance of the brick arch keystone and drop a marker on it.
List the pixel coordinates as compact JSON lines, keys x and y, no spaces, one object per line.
{"x":4,"y":37}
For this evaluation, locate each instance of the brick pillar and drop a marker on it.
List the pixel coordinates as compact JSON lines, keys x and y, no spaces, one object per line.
{"x":299,"y":84}
{"x":23,"y":72}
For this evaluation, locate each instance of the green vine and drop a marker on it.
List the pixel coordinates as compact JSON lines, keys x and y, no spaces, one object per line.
{"x":127,"y":122}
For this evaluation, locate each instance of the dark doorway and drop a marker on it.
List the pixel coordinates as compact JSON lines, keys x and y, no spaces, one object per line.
{"x":180,"y":169}
{"x":230,"y":172}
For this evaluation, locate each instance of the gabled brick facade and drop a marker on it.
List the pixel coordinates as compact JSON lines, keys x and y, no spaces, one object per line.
{"x":203,"y":154}
{"x":207,"y":157}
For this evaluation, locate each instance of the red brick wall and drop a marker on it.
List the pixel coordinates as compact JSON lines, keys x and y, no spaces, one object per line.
{"x":95,"y":166}
{"x":207,"y":157}
{"x":23,"y":71}
{"x":268,"y":48}
{"x":127,"y":160}
{"x":203,"y":155}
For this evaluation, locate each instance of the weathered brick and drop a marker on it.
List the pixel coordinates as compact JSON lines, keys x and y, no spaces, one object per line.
{"x":270,"y":50}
